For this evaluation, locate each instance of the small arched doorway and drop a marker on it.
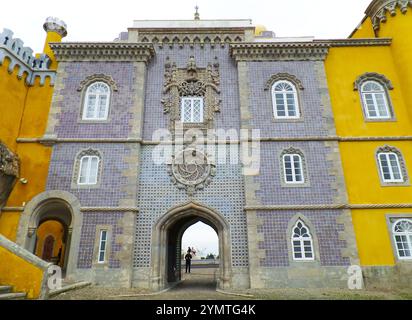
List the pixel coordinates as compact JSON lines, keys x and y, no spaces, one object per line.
{"x":51,"y":240}
{"x":49,"y":232}
{"x":167,"y":244}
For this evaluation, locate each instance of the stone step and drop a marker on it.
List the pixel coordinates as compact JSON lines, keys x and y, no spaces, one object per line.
{"x":12,"y":296}
{"x":5,"y":289}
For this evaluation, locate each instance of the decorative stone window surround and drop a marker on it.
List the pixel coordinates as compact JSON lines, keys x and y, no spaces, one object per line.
{"x":387,"y":85}
{"x":391,"y":220}
{"x":284,"y":184}
{"x":96,"y":246}
{"x":83,"y":87}
{"x":76,"y":169}
{"x":402,"y":164}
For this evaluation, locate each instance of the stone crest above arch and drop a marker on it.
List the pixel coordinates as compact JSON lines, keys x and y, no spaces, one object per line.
{"x":283,"y":76}
{"x":96,"y":78}
{"x":372,"y":76}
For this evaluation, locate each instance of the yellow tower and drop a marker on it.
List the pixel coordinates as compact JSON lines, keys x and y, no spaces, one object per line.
{"x":26,"y":89}
{"x":393,"y":19}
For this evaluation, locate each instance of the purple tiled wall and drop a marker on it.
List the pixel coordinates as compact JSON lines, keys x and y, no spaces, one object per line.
{"x":274,"y":229}
{"x":88,"y":236}
{"x":118,"y":125}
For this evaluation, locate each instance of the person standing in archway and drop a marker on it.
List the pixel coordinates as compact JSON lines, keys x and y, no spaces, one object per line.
{"x":188,"y":258}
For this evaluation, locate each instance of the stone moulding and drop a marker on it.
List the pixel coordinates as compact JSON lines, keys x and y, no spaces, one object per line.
{"x":279,"y":51}
{"x":98,"y":77}
{"x":367,"y":42}
{"x":284,"y":76}
{"x":378,"y":9}
{"x":103,"y":51}
{"x":329,"y":207}
{"x":373,"y":76}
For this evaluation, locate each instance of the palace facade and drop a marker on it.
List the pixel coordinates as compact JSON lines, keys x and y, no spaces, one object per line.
{"x":327,"y":125}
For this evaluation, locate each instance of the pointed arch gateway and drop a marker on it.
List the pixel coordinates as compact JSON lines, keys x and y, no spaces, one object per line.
{"x":166,"y":243}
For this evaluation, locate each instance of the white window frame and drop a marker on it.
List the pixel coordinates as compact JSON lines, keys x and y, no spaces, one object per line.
{"x":301,"y":243}
{"x":292,"y":155}
{"x":192,"y":100}
{"x":392,"y":179}
{"x":95,"y":116}
{"x":284,"y":93}
{"x":375,"y":104}
{"x":104,"y":250}
{"x":408,"y":236}
{"x":88,"y":176}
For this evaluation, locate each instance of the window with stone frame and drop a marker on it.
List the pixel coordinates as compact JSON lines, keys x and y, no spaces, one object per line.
{"x":302,"y":242}
{"x":97,"y":102}
{"x":192,"y":109}
{"x":103,"y":239}
{"x":87,"y":169}
{"x":374,"y":93}
{"x":402,"y":233}
{"x":392,"y":168}
{"x":285,"y":100}
{"x":293,"y":167}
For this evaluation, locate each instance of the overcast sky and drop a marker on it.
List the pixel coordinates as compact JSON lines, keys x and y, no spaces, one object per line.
{"x":203,"y":238}
{"x":103,"y":20}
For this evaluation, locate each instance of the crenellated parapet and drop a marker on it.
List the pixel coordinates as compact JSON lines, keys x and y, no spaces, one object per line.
{"x":378,"y":10}
{"x":23,"y":58}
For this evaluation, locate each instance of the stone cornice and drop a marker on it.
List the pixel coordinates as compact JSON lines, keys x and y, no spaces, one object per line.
{"x":378,"y":9}
{"x":329,"y":207}
{"x":362,"y":42}
{"x":262,"y":139}
{"x":283,"y":51}
{"x":103,"y":51}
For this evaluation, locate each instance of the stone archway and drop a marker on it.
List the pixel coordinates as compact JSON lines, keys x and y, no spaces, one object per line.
{"x":168,"y":231}
{"x":58,"y":206}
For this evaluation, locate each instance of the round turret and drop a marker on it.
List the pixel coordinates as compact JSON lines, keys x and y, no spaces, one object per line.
{"x":55,"y":25}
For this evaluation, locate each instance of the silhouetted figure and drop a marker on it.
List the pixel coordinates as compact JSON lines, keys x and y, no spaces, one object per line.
{"x":59,"y":256}
{"x":189,"y":250}
{"x":188,"y":258}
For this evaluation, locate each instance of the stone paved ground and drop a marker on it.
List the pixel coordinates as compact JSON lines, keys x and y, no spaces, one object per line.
{"x":201,"y":285}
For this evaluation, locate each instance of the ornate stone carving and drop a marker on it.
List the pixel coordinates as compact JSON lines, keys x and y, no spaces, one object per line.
{"x":9,"y":162}
{"x":378,"y":9}
{"x":283,"y":76}
{"x":9,"y":172}
{"x":191,"y":170}
{"x":76,"y":169}
{"x":373,"y":76}
{"x":98,"y":77}
{"x":191,"y":81}
{"x":110,"y":51}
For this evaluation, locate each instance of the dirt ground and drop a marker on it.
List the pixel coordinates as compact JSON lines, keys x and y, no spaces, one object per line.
{"x":201,"y":285}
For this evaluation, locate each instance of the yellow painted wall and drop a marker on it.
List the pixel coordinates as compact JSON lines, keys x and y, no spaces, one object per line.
{"x":343,"y":66}
{"x":398,"y":28}
{"x":13,"y":94}
{"x":373,"y":236}
{"x":22,"y":275}
{"x":364,"y":31}
{"x":346,"y":102}
{"x":55,"y":229}
{"x":362,"y":174}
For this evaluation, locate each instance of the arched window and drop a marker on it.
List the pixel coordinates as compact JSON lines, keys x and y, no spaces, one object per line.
{"x":402,"y":232}
{"x":285,"y":100}
{"x":293,"y":169}
{"x":96,"y":102}
{"x":390,"y":167}
{"x":89,"y":170}
{"x":375,"y":100}
{"x":192,"y":109}
{"x":302,"y":242}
